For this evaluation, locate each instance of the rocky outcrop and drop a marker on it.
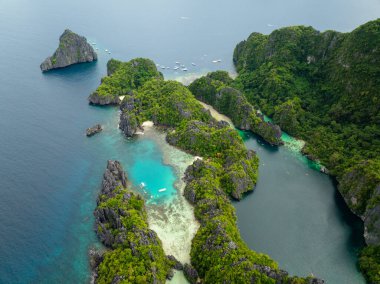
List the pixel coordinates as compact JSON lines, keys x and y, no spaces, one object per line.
{"x":72,"y":49}
{"x":93,"y":130}
{"x":129,"y":122}
{"x":191,"y":274}
{"x":95,"y":99}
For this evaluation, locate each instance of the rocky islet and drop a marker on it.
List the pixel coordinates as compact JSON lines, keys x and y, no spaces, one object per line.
{"x":72,"y":49}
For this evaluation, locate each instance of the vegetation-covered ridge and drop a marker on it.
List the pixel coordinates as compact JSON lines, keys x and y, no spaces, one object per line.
{"x":218,"y":252}
{"x":123,"y":77}
{"x":216,"y":89}
{"x":325,"y":89}
{"x":136,"y":254}
{"x":218,"y":255}
{"x":72,"y":49}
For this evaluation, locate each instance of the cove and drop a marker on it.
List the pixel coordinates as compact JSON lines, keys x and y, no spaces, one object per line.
{"x":297,"y":216}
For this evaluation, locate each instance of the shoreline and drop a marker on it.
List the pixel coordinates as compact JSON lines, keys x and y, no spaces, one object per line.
{"x":174,"y":222}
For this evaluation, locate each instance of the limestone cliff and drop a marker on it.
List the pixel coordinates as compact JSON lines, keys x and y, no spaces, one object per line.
{"x":72,"y":49}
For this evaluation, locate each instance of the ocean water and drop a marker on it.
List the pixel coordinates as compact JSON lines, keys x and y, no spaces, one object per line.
{"x":50,"y":172}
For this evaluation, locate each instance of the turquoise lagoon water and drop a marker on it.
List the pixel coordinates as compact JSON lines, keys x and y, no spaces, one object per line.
{"x":50,"y":172}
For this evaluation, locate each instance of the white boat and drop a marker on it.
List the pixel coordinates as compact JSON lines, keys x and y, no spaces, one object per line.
{"x":163,"y":67}
{"x":142,"y":184}
{"x":162,"y":189}
{"x":109,"y":52}
{"x":183,"y":66}
{"x":177,"y":62}
{"x":193,"y":64}
{"x":106,"y":50}
{"x":167,"y":67}
{"x":217,"y":61}
{"x":94,"y":43}
{"x":184,"y":69}
{"x":176,"y":68}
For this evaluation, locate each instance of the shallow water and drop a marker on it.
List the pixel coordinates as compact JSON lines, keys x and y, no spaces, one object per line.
{"x":50,"y":172}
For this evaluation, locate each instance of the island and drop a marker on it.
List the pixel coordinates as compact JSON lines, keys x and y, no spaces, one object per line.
{"x":226,"y":169}
{"x":324,"y":88}
{"x":72,"y":49}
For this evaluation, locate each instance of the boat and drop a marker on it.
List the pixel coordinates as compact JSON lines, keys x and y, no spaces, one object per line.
{"x":176,"y":68}
{"x":217,"y":61}
{"x":162,"y":189}
{"x":183,"y":66}
{"x":109,"y":52}
{"x":142,"y":184}
{"x":162,"y":67}
{"x":167,"y":67}
{"x":184,"y":69}
{"x":193,"y":64}
{"x":106,"y":50}
{"x":177,"y":62}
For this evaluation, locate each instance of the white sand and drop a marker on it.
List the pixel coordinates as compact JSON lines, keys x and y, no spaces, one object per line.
{"x":174,"y":222}
{"x":147,"y":123}
{"x":215,"y":114}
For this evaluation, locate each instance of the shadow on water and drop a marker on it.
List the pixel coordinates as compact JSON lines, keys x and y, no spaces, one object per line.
{"x":75,"y":71}
{"x":356,"y":240}
{"x":247,"y":135}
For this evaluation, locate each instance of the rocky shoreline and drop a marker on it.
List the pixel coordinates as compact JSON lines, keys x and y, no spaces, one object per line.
{"x":134,"y":251}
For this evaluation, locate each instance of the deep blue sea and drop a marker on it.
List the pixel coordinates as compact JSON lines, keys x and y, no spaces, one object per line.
{"x":50,"y":172}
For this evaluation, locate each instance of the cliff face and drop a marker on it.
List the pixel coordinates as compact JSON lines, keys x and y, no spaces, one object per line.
{"x":360,"y":187}
{"x":72,"y":49}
